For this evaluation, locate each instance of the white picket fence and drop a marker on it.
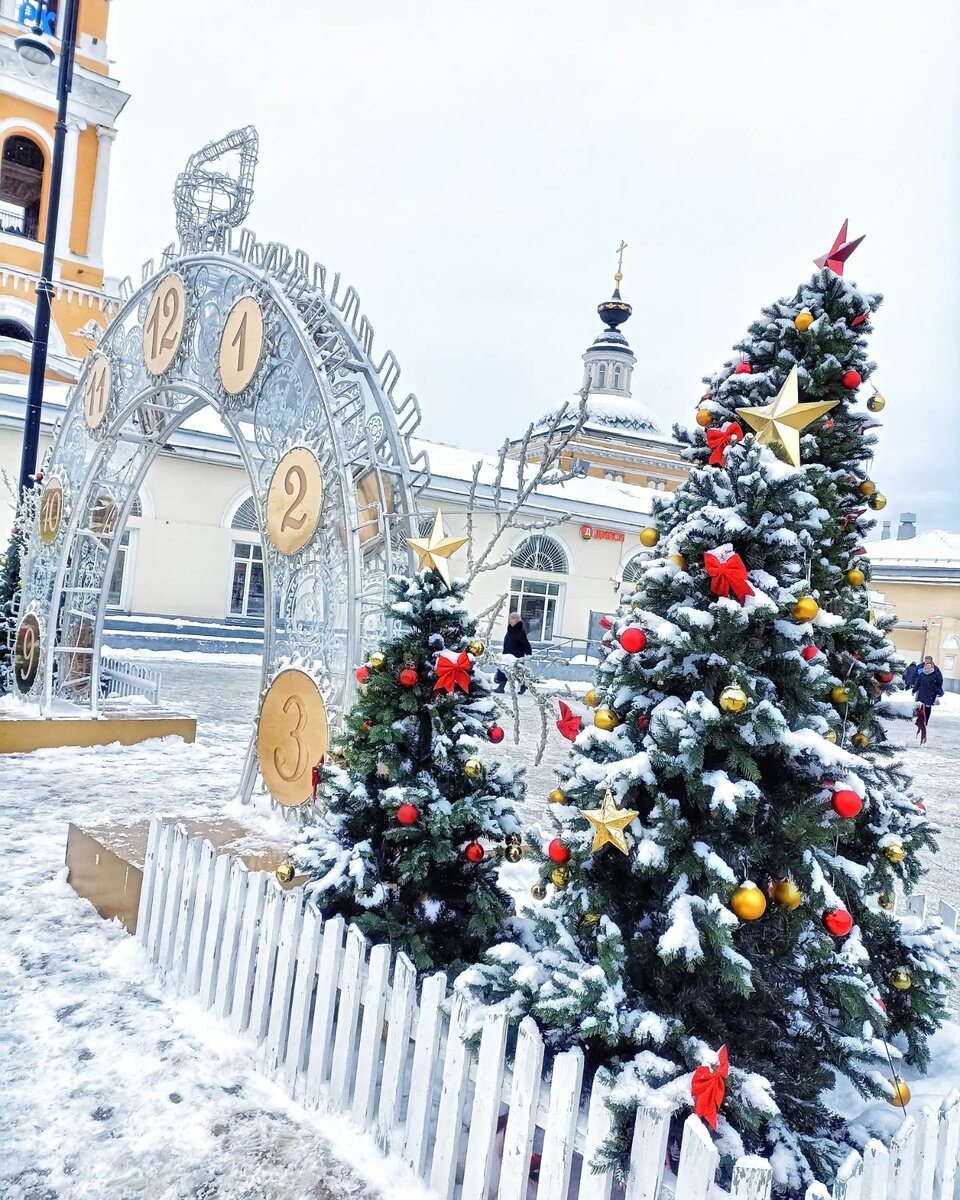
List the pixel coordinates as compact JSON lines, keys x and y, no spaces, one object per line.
{"x":343,"y":1026}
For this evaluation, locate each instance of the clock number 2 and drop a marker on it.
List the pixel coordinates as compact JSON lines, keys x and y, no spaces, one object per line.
{"x":295,"y":478}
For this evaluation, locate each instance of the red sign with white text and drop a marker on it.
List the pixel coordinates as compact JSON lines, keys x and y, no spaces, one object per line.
{"x":590,"y":533}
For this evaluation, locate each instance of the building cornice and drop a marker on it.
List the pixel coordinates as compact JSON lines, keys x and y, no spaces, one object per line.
{"x":94,"y":98}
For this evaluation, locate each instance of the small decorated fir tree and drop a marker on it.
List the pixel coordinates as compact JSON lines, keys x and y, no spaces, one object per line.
{"x":412,"y":823}
{"x":717,"y":924}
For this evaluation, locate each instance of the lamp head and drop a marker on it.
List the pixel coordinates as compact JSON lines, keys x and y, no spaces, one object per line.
{"x":36,"y":54}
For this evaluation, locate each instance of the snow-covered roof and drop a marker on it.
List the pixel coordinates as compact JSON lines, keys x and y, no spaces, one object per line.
{"x":454,"y":463}
{"x":937,"y":548}
{"x":606,"y":412}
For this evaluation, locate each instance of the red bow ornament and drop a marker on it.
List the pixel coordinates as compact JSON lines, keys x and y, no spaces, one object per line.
{"x":709,"y":1089}
{"x":728,"y":576}
{"x":569,"y":723}
{"x":453,"y":673}
{"x":719,"y":439}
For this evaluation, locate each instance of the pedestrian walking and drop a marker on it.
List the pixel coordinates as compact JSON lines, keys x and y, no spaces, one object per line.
{"x":928,"y":688}
{"x":516,"y":643}
{"x":910,"y":676}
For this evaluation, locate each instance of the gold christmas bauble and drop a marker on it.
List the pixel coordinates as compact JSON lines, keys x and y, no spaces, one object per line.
{"x":733,"y":700}
{"x":876,"y":403}
{"x":377,"y":659}
{"x":748,"y":902}
{"x":649,"y":537}
{"x":538,"y":892}
{"x":476,"y":647}
{"x":590,"y":699}
{"x":860,"y":740}
{"x":679,"y":560}
{"x":831,"y":736}
{"x":803,"y":321}
{"x":285,"y":872}
{"x":605,"y":718}
{"x":559,"y":876}
{"x":867,"y":488}
{"x":514,"y":839}
{"x":638,"y":586}
{"x":703,"y":417}
{"x":473,"y":768}
{"x":895,"y":853}
{"x":855,"y":577}
{"x":901,"y":1094}
{"x":805,"y":609}
{"x":513,"y":854}
{"x":557,"y":797}
{"x":877,"y":501}
{"x":590,"y":919}
{"x":840,"y":695}
{"x":886,"y":901}
{"x":901,"y":979}
{"x":786,"y":892}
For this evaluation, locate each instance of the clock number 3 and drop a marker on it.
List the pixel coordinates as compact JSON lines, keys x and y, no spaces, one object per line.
{"x":281,"y":759}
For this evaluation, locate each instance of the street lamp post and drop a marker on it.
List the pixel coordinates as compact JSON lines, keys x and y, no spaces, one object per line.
{"x":36,"y":53}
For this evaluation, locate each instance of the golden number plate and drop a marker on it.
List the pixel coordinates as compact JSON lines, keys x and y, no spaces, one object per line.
{"x":291,"y":737}
{"x":294,"y":500}
{"x":241,"y":345}
{"x":26,"y":653}
{"x":96,"y":395}
{"x":163,"y":327}
{"x":51,"y":510}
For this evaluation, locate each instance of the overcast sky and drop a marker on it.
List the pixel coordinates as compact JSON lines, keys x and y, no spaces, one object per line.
{"x":470,"y":167}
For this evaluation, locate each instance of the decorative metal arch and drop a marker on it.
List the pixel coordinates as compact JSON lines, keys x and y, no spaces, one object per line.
{"x":315,"y":386}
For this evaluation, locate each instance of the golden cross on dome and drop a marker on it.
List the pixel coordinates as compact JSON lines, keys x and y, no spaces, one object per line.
{"x":434,"y":550}
{"x":619,"y":252}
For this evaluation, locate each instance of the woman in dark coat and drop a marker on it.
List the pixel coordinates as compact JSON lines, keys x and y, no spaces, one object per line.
{"x":910,"y":676}
{"x":515,"y":642}
{"x":928,"y":688}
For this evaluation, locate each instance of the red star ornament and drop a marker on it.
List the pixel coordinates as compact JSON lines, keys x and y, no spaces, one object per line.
{"x":839,"y":252}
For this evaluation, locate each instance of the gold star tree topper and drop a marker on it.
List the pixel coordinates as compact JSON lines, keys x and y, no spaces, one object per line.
{"x":433,"y":551}
{"x":780,"y":423}
{"x":609,"y":822}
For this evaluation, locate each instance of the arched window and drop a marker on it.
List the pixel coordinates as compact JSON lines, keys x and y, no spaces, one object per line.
{"x":602,"y":375}
{"x":21,"y":184}
{"x":246,"y":516}
{"x":540,"y":553}
{"x":633,"y":570}
{"x":10,"y":327}
{"x":617,"y":375}
{"x":425,"y":524}
{"x":137,"y":509}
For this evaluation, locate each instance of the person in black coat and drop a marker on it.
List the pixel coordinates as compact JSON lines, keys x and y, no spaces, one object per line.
{"x":515,"y":642}
{"x":910,"y":676}
{"x":928,"y":687}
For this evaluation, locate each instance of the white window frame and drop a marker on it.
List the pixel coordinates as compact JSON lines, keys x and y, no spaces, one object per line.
{"x":540,"y":578}
{"x":235,"y":541}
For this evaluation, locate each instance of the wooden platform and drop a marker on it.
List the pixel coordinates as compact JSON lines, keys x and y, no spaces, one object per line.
{"x":105,"y":862}
{"x":20,"y":735}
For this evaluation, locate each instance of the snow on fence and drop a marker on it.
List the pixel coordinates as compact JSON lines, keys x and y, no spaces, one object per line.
{"x":123,"y":678}
{"x":343,"y":1026}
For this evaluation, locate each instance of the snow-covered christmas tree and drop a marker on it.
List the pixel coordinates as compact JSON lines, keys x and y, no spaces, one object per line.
{"x":413,"y":823}
{"x":716,"y":918}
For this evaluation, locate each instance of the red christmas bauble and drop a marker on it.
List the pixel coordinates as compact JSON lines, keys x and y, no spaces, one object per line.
{"x":407,"y":814}
{"x":495,"y":733}
{"x":409,"y":677}
{"x":633,"y":640}
{"x":809,"y":653}
{"x":846,"y":803}
{"x":829,"y":424}
{"x":363,"y":674}
{"x":643,"y":722}
{"x":886,"y":677}
{"x":368,"y":724}
{"x":558,"y":851}
{"x":851,"y":379}
{"x":743,"y":369}
{"x":474,"y":852}
{"x":838,"y":921}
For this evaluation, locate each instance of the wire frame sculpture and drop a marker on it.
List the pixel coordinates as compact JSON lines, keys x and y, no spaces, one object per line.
{"x":283,"y":353}
{"x":210,"y":202}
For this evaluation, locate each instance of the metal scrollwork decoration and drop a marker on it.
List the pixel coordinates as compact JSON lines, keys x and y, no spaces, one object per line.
{"x":283,"y":353}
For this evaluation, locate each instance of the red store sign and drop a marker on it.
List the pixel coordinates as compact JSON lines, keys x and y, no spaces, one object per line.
{"x":590,"y":533}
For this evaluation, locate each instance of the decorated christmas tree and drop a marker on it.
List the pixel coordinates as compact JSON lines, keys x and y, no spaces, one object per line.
{"x":412,"y":824}
{"x":715,"y":917}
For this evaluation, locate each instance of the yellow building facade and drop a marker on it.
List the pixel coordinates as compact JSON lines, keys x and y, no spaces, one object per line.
{"x":84,"y":300}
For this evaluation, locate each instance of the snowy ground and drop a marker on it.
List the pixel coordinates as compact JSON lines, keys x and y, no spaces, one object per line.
{"x":111,"y":1088}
